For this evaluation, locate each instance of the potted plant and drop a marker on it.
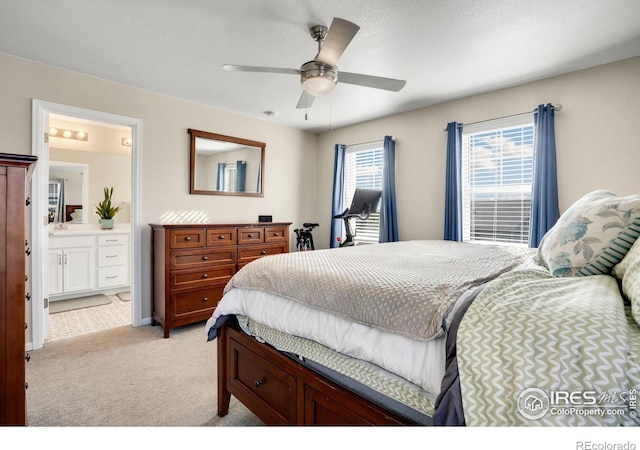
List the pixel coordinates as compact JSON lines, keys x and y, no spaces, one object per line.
{"x":105,"y":210}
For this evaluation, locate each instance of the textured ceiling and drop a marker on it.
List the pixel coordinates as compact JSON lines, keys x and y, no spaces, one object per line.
{"x":444,"y":49}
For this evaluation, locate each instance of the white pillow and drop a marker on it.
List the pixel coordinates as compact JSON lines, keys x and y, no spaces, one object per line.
{"x":76,"y":214}
{"x":592,"y":236}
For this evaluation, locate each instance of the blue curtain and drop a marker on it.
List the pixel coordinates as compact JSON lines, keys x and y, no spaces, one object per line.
{"x":241,"y":176}
{"x":337,"y":204}
{"x":388,"y":214}
{"x":544,"y":195}
{"x":453,"y":188}
{"x":220,"y":179}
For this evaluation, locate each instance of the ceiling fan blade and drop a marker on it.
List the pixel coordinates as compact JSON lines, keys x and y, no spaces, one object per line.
{"x":234,"y":68}
{"x":340,"y":34}
{"x":306,"y":100}
{"x":388,"y":84}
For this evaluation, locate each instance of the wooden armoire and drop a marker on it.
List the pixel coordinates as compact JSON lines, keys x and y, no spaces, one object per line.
{"x":13,"y":251}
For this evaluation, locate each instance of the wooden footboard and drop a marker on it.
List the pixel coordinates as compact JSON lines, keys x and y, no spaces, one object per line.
{"x":281,"y":391}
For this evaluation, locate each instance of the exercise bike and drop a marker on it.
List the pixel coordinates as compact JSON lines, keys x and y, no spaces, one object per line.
{"x":365,"y":202}
{"x":304,"y":238}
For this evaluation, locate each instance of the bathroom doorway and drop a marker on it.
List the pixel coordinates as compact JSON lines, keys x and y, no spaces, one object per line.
{"x":88,"y":282}
{"x":81,"y":207}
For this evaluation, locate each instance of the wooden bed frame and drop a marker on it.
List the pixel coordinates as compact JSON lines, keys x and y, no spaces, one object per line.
{"x":281,"y":391}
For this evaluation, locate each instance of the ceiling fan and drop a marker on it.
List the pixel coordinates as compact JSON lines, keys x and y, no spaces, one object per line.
{"x":320,"y":75}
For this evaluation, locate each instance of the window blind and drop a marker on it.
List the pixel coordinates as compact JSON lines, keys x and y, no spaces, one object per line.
{"x":363,"y":169}
{"x":497,"y":171}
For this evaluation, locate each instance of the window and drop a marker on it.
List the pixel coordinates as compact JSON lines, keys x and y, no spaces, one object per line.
{"x":497,"y":172}
{"x":230,"y":177}
{"x":363,"y":169}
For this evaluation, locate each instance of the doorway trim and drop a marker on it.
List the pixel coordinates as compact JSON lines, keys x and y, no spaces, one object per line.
{"x":39,"y":230}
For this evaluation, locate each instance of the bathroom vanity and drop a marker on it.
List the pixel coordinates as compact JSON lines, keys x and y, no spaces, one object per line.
{"x":85,"y":260}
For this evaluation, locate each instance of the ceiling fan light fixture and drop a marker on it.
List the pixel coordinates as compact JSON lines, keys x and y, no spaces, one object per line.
{"x":317,"y":78}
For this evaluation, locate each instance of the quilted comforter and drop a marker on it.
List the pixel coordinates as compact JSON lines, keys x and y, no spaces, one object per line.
{"x":407,"y":288}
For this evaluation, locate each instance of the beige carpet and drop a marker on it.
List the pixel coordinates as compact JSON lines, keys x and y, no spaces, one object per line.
{"x":128,"y":377}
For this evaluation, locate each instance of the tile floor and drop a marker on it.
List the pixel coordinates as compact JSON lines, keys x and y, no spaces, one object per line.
{"x":89,"y":320}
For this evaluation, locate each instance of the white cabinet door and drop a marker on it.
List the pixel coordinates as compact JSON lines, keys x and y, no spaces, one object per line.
{"x":78,"y":269}
{"x":55,"y":272}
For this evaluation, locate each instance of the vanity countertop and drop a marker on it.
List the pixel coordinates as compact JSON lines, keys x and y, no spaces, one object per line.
{"x":83,"y":229}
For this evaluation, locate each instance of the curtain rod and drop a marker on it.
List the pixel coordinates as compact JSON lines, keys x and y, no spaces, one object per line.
{"x":393,"y":138}
{"x":557,"y":107}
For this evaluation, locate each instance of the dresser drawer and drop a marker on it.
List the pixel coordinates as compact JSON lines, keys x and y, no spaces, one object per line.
{"x":199,"y":302}
{"x":114,"y":255}
{"x":221,"y":236}
{"x":257,"y":382}
{"x":191,"y":259}
{"x":112,"y":276}
{"x":181,"y":279}
{"x":251,"y":253}
{"x":250,"y":236}
{"x":275,"y":234}
{"x":187,"y":238}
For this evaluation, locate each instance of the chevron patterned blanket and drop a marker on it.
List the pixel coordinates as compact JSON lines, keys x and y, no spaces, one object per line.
{"x":406,"y":287}
{"x":537,"y":350}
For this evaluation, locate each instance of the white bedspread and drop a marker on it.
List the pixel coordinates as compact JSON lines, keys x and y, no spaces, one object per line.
{"x":420,"y":362}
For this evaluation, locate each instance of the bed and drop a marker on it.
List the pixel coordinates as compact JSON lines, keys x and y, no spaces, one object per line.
{"x":442,"y":333}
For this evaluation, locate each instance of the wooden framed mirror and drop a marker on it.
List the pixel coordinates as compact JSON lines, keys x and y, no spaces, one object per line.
{"x":226,"y":165}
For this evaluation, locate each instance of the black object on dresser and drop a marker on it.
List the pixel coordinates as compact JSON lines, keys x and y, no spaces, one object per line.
{"x":192,"y":264}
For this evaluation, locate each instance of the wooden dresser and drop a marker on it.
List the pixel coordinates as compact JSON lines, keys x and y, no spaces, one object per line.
{"x":192,"y":264}
{"x":14,"y":248}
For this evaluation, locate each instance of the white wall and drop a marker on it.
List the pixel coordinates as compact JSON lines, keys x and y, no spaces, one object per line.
{"x":596,"y":140}
{"x":289,"y":192}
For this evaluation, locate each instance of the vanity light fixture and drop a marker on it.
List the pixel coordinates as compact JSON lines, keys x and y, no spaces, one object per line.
{"x":126,"y":141}
{"x":68,"y":134}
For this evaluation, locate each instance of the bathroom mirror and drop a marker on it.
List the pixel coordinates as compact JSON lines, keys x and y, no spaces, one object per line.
{"x":226,"y":165}
{"x":68,"y":192}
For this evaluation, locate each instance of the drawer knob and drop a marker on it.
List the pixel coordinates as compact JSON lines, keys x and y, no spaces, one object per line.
{"x":250,"y":235}
{"x":188,"y":238}
{"x":276,"y":234}
{"x":205,"y":258}
{"x":263,"y":252}
{"x":204,"y":275}
{"x":259,"y":382}
{"x":205,"y":299}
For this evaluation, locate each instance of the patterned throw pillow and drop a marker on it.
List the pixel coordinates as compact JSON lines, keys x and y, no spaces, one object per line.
{"x":631,"y":288}
{"x":592,"y":236}
{"x":630,"y":258}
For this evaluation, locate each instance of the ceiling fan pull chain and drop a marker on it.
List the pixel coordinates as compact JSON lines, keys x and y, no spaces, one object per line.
{"x":330,"y":126}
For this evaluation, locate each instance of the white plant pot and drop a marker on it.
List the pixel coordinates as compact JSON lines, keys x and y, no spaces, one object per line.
{"x":106,"y":224}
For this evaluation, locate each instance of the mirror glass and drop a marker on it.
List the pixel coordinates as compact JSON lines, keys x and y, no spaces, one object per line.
{"x":67,"y":192}
{"x":226,"y":165}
